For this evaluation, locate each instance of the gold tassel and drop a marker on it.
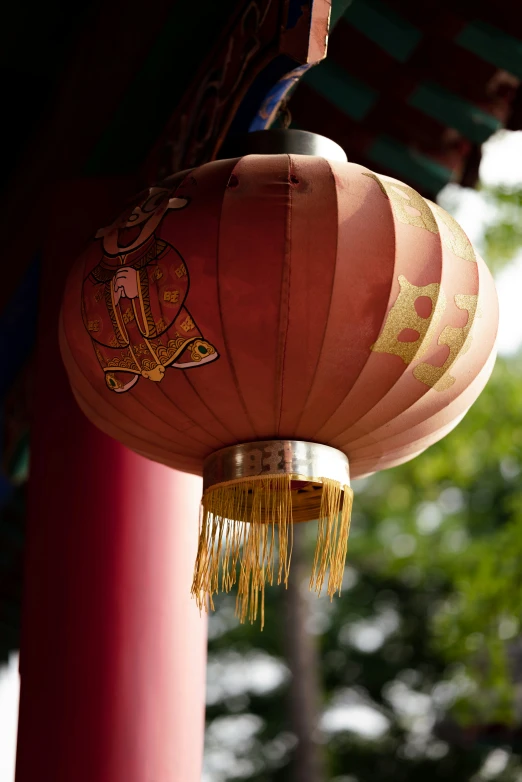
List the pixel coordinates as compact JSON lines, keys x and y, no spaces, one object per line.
{"x":246,"y":523}
{"x":332,"y":537}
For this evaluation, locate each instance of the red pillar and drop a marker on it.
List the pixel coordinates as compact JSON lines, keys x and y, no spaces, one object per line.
{"x":113,"y":648}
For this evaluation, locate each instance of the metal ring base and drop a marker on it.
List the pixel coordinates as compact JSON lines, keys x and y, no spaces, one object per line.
{"x":308,"y":462}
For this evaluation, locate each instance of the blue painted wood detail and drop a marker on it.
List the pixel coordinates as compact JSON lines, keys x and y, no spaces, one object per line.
{"x":276,"y":95}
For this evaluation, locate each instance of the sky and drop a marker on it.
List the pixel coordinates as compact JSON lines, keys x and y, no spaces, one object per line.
{"x":501,"y":165}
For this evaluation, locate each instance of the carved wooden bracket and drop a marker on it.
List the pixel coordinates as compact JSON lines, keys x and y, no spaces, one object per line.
{"x":282,"y":38}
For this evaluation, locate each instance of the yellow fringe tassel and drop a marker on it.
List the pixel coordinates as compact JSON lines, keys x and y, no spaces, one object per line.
{"x":240,"y":522}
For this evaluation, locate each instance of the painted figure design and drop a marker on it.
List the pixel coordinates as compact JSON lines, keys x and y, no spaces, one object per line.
{"x":133,"y":301}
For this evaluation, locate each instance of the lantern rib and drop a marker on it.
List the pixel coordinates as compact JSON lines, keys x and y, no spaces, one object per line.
{"x":485,"y":366}
{"x":481,"y":269}
{"x":227,"y":353}
{"x":418,"y":354}
{"x":286,"y":281}
{"x":327,"y":320}
{"x":195,"y":391}
{"x":402,"y":451}
{"x":207,"y":407}
{"x":471,"y":317}
{"x":356,"y":379}
{"x":196,"y":423}
{"x":392,"y":416}
{"x":111,"y":430}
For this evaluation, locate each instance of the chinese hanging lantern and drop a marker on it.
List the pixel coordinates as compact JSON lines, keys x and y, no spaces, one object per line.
{"x":277,"y":322}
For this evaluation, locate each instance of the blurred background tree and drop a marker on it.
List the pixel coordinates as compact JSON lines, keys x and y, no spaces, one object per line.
{"x":416,"y":671}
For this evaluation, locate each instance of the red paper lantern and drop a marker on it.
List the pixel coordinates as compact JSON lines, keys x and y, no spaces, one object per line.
{"x":283,"y":298}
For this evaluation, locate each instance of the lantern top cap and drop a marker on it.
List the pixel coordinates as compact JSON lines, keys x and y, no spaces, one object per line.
{"x":282,"y":142}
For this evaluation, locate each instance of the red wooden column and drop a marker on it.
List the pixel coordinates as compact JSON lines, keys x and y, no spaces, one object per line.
{"x":113,"y":648}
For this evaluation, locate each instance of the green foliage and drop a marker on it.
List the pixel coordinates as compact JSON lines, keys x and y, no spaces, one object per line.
{"x":455,"y":514}
{"x":503,"y":237}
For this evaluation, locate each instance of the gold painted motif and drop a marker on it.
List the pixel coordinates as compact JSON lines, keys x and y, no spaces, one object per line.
{"x":200,"y":349}
{"x":113,"y":381}
{"x":457,"y":339}
{"x":174,"y":347}
{"x":144,"y":300}
{"x":453,"y":237}
{"x":411,"y":208}
{"x":140,"y":350}
{"x":116,"y":323}
{"x":142,"y":333}
{"x":188,"y":324}
{"x":154,"y":372}
{"x":171,"y":296}
{"x":160,"y":325}
{"x":403,"y":315}
{"x":128,"y":315}
{"x":408,"y":206}
{"x":125,"y":361}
